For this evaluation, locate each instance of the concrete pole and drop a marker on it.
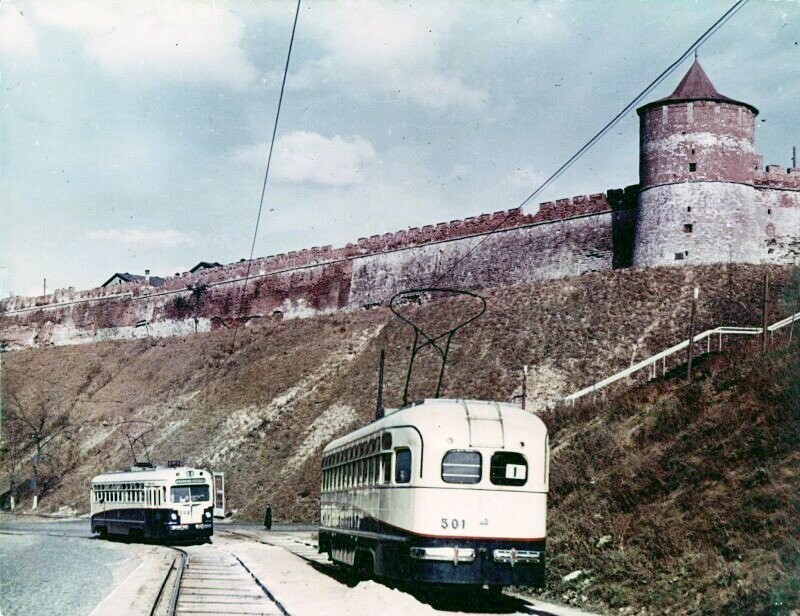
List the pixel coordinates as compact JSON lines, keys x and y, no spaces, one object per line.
{"x":764,"y":314}
{"x":695,"y":295}
{"x":524,"y":386}
{"x":1,"y":395}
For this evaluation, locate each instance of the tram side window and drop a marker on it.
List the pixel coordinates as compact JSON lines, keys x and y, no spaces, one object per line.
{"x":508,"y":469}
{"x":386,"y":468}
{"x":461,"y":467}
{"x":402,"y":466}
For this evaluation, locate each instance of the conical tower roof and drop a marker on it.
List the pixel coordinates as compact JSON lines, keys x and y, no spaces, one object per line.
{"x":695,"y":86}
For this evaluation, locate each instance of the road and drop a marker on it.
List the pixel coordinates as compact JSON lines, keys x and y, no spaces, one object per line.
{"x":55,"y":566}
{"x":52,"y":568}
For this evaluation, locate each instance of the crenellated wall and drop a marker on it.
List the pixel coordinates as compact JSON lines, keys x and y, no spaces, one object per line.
{"x":565,"y":237}
{"x":696,"y":141}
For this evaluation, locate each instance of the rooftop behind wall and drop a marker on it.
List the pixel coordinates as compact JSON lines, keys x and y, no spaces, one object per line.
{"x":549,"y":211}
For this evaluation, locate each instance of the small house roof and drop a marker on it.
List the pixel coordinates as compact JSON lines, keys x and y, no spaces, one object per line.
{"x":204,"y":265}
{"x":155,"y":281}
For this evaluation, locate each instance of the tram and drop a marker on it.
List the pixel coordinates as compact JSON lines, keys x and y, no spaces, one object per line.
{"x":441,"y":491}
{"x":150,"y":502}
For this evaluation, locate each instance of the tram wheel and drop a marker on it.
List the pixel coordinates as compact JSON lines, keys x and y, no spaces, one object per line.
{"x":102,"y":532}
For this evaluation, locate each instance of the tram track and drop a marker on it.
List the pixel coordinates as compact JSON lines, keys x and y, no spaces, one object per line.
{"x":174,"y":573}
{"x":212,"y":580}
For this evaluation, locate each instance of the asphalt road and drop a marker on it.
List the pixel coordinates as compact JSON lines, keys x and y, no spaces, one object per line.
{"x":54,"y":567}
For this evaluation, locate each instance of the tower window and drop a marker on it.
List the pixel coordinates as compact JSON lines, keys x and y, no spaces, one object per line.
{"x":692,"y":166}
{"x":769,"y":211}
{"x":688,"y":208}
{"x":679,"y":256}
{"x":692,"y":150}
{"x":687,"y":228}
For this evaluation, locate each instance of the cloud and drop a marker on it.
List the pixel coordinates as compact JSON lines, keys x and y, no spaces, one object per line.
{"x":389,"y":49}
{"x":16,"y":35}
{"x":180,"y":41}
{"x":164,"y":238}
{"x":304,"y":157}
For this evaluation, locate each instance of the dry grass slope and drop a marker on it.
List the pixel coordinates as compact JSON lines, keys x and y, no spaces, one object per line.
{"x":683,"y":496}
{"x":684,"y":481}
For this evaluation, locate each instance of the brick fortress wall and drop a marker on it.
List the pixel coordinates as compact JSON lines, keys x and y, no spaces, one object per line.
{"x":564,"y":237}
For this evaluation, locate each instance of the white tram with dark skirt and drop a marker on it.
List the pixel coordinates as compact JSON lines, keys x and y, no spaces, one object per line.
{"x":148,"y":502}
{"x":441,"y":491}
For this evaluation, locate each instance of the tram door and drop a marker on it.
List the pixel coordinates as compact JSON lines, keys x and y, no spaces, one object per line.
{"x":219,"y":494}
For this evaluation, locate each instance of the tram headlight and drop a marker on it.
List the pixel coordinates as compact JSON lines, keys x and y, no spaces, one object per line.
{"x":453,"y":554}
{"x":173,"y":516}
{"x":207,"y":515}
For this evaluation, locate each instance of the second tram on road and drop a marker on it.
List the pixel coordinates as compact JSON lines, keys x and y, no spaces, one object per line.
{"x":148,"y":502}
{"x":442,"y":491}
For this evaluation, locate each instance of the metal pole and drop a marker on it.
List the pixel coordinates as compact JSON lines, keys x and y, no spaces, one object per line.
{"x":794,"y":157}
{"x":44,"y":286}
{"x":1,"y":395}
{"x":764,"y":315}
{"x":695,"y":294}
{"x":524,"y":385}
{"x":379,"y":403}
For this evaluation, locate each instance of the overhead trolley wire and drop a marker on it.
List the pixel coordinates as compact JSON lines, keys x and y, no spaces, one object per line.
{"x":708,"y":33}
{"x":599,"y":134}
{"x":266,"y":178}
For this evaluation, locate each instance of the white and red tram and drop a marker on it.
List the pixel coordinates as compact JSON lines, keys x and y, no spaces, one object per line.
{"x":443,"y":491}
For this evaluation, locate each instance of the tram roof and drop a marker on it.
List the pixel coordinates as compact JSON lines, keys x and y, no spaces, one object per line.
{"x":432,"y":413}
{"x":156,"y":473}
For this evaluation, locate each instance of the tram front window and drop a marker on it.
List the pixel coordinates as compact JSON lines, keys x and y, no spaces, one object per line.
{"x":189,"y":494}
{"x":402,"y":466}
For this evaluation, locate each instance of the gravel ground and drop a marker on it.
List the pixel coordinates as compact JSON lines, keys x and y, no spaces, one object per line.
{"x":45,"y":574}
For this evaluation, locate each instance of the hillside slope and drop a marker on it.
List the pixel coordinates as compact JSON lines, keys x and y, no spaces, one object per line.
{"x":262,"y":411}
{"x":683,"y":497}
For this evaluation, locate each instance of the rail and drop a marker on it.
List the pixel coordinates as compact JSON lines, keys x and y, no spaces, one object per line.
{"x":156,"y":608}
{"x":652,"y":361}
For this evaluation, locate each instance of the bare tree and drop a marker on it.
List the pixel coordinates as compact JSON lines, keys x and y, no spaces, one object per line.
{"x":39,"y":429}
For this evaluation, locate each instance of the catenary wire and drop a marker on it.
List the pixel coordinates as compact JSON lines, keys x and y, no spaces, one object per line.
{"x":598,"y":135}
{"x":707,"y":34}
{"x":243,"y":294}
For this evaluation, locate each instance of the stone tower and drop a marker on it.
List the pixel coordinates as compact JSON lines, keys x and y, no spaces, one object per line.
{"x":697,"y":167}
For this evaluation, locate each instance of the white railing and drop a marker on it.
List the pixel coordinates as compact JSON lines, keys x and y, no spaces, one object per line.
{"x":652,"y":361}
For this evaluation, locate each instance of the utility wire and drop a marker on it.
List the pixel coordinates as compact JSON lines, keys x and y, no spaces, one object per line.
{"x":266,"y":177}
{"x":735,"y":8}
{"x":597,"y":136}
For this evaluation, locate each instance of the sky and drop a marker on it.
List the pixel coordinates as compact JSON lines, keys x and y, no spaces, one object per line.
{"x":134,"y":135}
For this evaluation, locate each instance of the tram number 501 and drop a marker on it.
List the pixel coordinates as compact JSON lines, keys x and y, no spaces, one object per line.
{"x":453,"y":524}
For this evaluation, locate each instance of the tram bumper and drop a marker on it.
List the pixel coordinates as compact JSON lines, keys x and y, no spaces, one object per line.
{"x":177,"y":527}
{"x":185,"y":530}
{"x":478,"y":562}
